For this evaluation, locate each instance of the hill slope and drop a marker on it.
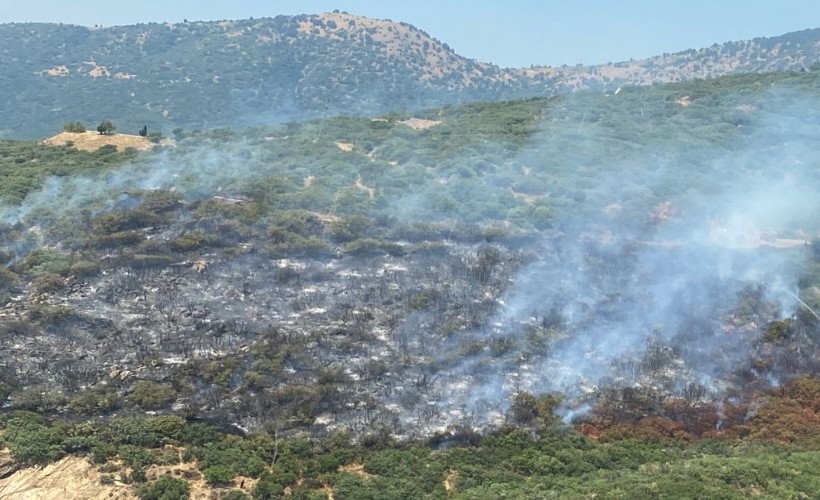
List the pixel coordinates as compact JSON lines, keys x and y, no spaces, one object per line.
{"x":208,"y":74}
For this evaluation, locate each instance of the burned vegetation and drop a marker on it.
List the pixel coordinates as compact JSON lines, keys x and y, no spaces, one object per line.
{"x":202,"y":309}
{"x":339,"y":291}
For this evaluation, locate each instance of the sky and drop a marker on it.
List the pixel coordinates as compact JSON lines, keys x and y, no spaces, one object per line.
{"x":510,"y":33}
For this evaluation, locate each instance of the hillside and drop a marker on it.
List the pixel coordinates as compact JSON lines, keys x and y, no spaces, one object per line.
{"x":262,"y":71}
{"x":598,"y":294}
{"x":206,"y":74}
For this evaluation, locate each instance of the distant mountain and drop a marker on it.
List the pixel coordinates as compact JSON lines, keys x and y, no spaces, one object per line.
{"x":793,"y":51}
{"x":213,"y":74}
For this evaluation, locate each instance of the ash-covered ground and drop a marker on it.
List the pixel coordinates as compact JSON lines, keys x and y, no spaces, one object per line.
{"x":418,"y":336}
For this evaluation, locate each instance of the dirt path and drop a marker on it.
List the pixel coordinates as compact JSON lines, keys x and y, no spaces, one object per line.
{"x":370,"y":191}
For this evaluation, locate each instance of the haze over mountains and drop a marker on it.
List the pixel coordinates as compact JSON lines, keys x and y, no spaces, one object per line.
{"x":256,"y":71}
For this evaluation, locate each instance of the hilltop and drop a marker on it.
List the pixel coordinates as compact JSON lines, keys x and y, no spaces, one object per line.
{"x":258,"y":71}
{"x":92,"y":141}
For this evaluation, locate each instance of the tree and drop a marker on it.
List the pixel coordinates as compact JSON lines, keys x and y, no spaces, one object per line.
{"x":106,"y":128}
{"x":144,"y":131}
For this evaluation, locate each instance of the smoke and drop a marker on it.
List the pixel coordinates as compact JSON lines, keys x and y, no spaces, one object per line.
{"x":666,"y":258}
{"x":677,"y":263}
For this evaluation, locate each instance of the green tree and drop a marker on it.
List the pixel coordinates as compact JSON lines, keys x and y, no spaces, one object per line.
{"x":106,"y":128}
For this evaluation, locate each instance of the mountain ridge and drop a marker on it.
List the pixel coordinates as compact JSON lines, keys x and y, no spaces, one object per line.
{"x":209,"y":74}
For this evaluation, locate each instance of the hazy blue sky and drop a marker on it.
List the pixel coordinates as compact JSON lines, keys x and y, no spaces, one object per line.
{"x":505,"y":32}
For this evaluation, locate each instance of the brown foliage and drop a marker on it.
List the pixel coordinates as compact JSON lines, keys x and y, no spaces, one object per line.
{"x":791,"y":415}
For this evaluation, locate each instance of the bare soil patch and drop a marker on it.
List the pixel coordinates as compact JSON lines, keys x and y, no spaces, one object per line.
{"x":420,"y":123}
{"x":72,"y":478}
{"x":344,"y":146}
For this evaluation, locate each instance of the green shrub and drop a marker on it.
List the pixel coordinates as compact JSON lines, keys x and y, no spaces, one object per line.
{"x":189,"y":241}
{"x":165,"y":488}
{"x":152,"y":432}
{"x":232,"y":454}
{"x":42,"y":261}
{"x":109,"y":468}
{"x":197,"y":434}
{"x":235,"y":495}
{"x":266,"y":489}
{"x":212,"y":209}
{"x":32,"y":442}
{"x":778,"y":331}
{"x":150,"y":261}
{"x":47,"y":283}
{"x":125,"y":220}
{"x":8,"y":283}
{"x":135,"y":457}
{"x":74,"y":127}
{"x":120,"y":239}
{"x":285,"y":243}
{"x":159,"y":200}
{"x":218,"y":475}
{"x":101,"y":453}
{"x":93,"y":402}
{"x":50,"y":315}
{"x":84,"y":269}
{"x":151,"y":395}
{"x":299,"y":222}
{"x":373,"y":247}
{"x":349,"y":228}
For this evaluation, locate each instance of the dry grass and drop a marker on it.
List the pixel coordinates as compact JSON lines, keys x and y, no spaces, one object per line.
{"x":419,"y":123}
{"x":450,"y":480}
{"x":527,"y":198}
{"x":92,"y":141}
{"x":56,"y":71}
{"x":75,"y":478}
{"x":355,"y":468}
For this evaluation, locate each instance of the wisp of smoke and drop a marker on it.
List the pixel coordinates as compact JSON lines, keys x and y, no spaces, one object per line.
{"x":635,"y":270}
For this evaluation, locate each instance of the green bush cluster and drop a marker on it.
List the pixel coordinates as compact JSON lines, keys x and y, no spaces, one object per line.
{"x":165,"y":488}
{"x":74,"y":127}
{"x":152,"y":395}
{"x":511,"y":463}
